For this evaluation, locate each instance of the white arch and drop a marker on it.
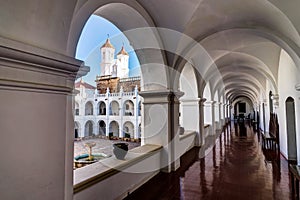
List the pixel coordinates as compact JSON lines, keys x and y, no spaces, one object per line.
{"x":114,"y":108}
{"x":89,"y":128}
{"x":114,"y":128}
{"x":128,"y":108}
{"x":101,"y":108}
{"x":89,"y":108}
{"x":77,"y":126}
{"x":102,"y":127}
{"x":128,"y":128}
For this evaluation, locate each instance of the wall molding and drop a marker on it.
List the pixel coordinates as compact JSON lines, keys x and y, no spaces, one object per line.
{"x":29,"y":71}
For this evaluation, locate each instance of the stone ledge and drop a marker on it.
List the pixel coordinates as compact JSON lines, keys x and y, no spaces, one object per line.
{"x":186,"y":134}
{"x":87,"y":176}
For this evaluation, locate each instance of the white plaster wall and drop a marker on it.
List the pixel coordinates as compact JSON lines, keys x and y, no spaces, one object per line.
{"x":185,"y":144}
{"x":32,"y":145}
{"x":122,"y":183}
{"x":287,"y":79}
{"x":29,"y":22}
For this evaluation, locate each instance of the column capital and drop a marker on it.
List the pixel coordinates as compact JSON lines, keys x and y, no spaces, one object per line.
{"x":209,"y":103}
{"x":202,"y":100}
{"x":160,"y":96}
{"x":275,"y":97}
{"x":190,"y":101}
{"x":217,"y":103}
{"x":297,"y":87}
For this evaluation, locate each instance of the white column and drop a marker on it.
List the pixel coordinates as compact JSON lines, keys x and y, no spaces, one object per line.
{"x":36,"y":118}
{"x":201,"y":124}
{"x":107,"y":111}
{"x":227,"y":110}
{"x":224,"y":106}
{"x":191,"y":116}
{"x":297,"y":115}
{"x":160,"y":124}
{"x":209,"y":112}
{"x":221,"y":114}
{"x":136,"y":113}
{"x":217,"y":115}
{"x":121,"y":113}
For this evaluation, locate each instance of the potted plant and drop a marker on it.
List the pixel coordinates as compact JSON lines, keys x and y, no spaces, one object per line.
{"x":120,"y":150}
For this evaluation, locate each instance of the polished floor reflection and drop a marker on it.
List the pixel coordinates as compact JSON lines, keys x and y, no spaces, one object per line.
{"x":234,"y":168}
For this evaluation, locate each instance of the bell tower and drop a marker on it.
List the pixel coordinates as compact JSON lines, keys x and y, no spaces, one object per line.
{"x":107,"y":57}
{"x":122,"y":62}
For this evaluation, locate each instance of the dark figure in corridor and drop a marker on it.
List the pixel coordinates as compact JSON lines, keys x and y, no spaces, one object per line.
{"x":242,"y":129}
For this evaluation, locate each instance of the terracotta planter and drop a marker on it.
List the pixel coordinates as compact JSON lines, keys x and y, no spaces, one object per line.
{"x":120,"y":150}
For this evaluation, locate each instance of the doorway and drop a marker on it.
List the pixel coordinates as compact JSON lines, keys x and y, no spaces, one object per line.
{"x":291,"y":130}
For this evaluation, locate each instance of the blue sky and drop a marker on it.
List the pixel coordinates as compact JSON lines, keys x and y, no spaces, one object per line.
{"x":93,"y":36}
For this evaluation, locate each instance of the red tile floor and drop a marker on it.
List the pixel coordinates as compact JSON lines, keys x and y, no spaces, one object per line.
{"x":234,"y":167}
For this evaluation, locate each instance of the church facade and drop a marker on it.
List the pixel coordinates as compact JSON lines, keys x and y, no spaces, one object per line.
{"x":113,"y":108}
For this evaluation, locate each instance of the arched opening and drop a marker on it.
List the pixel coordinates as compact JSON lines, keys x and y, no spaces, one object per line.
{"x":128,"y":109}
{"x":139,"y":130}
{"x":88,"y":129}
{"x":102,"y":128}
{"x":207,"y":105}
{"x":128,"y":130}
{"x":217,"y":110}
{"x":89,"y":108}
{"x":76,"y":108}
{"x":114,"y":129}
{"x":114,"y":108}
{"x":189,"y":102}
{"x":101,"y":108}
{"x":77,"y":130}
{"x":291,"y":130}
{"x":140,"y":108}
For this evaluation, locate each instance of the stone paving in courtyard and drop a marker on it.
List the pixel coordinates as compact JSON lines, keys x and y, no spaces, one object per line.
{"x":102,"y":146}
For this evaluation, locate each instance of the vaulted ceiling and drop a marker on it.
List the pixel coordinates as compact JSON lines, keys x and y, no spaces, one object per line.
{"x":243,"y":39}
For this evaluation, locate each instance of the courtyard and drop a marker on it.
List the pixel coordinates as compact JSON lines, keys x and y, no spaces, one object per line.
{"x":102,"y":146}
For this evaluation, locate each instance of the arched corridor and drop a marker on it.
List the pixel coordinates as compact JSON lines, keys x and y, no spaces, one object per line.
{"x":203,"y":64}
{"x":234,"y":167}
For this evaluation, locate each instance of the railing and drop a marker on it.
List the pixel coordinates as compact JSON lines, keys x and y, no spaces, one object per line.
{"x":128,"y":94}
{"x":136,"y":78}
{"x":114,"y":94}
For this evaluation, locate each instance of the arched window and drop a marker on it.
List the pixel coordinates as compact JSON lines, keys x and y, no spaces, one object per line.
{"x":76,"y":108}
{"x":101,"y":108}
{"x":114,"y":108}
{"x":128,"y":130}
{"x":88,"y":129}
{"x":77,"y":130}
{"x":129,"y":108}
{"x":102,"y":128}
{"x":88,"y":108}
{"x":140,"y":109}
{"x":113,"y":129}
